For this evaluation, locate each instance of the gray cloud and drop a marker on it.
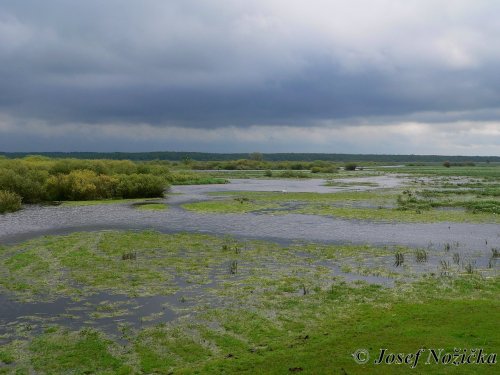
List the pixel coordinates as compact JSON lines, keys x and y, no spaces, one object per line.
{"x":214,"y":65}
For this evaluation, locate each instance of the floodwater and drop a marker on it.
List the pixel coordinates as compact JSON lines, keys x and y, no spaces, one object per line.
{"x":472,"y":241}
{"x":36,"y":220}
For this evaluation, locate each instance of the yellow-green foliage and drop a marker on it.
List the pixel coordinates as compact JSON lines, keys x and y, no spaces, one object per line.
{"x":38,"y":179}
{"x":9,"y":202}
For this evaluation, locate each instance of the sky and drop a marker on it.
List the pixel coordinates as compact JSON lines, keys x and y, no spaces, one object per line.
{"x":357,"y":76}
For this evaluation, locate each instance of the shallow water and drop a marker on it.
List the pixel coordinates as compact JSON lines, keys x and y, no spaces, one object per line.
{"x":36,"y":220}
{"x":472,"y":241}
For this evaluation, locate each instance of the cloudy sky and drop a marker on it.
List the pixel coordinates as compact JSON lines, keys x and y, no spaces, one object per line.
{"x":357,"y":76}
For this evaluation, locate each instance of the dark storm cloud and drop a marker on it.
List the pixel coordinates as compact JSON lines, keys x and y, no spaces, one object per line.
{"x":212,"y":64}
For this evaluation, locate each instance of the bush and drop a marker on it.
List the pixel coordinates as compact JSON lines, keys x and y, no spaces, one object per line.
{"x":293,"y":174}
{"x":26,"y":182}
{"x":447,"y":164}
{"x":350,"y":166}
{"x":37,"y":179}
{"x":81,"y":185}
{"x":323,"y":170}
{"x":141,"y":186}
{"x":9,"y":202}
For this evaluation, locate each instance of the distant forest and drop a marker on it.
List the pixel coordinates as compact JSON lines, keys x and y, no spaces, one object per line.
{"x":202,"y":156}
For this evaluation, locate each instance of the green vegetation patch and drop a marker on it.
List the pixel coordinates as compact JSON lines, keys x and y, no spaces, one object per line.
{"x":376,"y":205}
{"x":277,"y":309}
{"x":151,"y":207}
{"x":9,"y":202}
{"x":315,"y":333}
{"x":133,"y":263}
{"x":102,"y":201}
{"x":84,"y":352}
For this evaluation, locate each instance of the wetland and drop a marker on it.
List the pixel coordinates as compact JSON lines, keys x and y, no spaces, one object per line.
{"x":255,"y":275}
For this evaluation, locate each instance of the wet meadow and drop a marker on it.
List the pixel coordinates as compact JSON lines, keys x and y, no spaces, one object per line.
{"x":119,"y":267}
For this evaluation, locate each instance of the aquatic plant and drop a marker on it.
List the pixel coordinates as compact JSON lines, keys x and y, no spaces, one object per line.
{"x":398,"y":259}
{"x":469,"y":268}
{"x":129,"y":256}
{"x":233,"y":267}
{"x":445,"y":267}
{"x":421,"y":256}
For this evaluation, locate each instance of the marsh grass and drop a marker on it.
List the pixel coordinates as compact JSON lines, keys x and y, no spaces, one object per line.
{"x":399,"y":259}
{"x":469,"y":267}
{"x":376,"y":205}
{"x":279,"y":313}
{"x":445,"y":267}
{"x":421,"y":256}
{"x":129,"y":256}
{"x":233,"y":267}
{"x":242,"y":200}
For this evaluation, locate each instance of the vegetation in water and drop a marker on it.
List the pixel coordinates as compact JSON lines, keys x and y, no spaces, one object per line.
{"x":273,"y":308}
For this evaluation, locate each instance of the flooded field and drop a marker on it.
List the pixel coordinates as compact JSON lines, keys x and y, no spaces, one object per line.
{"x":228,"y":271}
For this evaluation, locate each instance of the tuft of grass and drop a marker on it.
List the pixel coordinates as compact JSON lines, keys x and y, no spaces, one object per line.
{"x":233,"y":267}
{"x":399,"y":259}
{"x":129,"y":256}
{"x":421,"y":256}
{"x":469,"y":268}
{"x":445,"y":267}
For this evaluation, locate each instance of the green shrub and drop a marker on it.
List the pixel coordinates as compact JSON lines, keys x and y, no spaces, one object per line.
{"x":293,"y":174}
{"x":81,"y":185}
{"x":9,"y":202}
{"x":24,"y":181}
{"x":141,"y":186}
{"x":323,"y":170}
{"x":350,"y":166}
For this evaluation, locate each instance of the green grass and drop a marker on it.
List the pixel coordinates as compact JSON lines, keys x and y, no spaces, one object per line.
{"x":279,"y":313}
{"x":84,"y":352}
{"x":482,"y":171}
{"x":152,"y":207}
{"x":384,"y":206}
{"x":102,"y":201}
